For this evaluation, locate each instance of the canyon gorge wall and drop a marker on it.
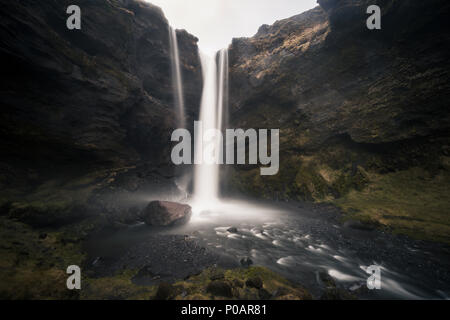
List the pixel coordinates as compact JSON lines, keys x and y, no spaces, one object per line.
{"x":100,"y":94}
{"x":348,"y":100}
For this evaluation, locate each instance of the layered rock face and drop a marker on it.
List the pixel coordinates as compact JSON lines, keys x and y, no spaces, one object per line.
{"x":81,"y":107}
{"x":347,"y":99}
{"x":101,"y":94}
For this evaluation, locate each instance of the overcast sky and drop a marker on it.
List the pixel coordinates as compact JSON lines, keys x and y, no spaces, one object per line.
{"x":216,"y":22}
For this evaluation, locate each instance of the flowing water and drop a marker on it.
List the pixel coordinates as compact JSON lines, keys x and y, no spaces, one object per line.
{"x":177,"y":81}
{"x":208,"y":148}
{"x":299,"y":241}
{"x":222,"y":96}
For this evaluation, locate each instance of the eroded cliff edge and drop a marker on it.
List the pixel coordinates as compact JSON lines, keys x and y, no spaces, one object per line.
{"x":363,"y":114}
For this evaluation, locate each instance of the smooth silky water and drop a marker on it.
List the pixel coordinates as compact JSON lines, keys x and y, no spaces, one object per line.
{"x":177,"y":81}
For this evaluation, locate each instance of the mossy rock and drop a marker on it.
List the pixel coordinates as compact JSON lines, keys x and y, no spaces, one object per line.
{"x":309,"y":184}
{"x":202,"y":287}
{"x":220,"y":288}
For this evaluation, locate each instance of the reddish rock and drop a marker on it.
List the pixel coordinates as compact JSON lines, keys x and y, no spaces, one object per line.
{"x":165,"y":213}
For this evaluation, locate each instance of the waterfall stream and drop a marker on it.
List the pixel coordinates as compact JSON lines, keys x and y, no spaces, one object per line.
{"x":222,"y":97}
{"x":212,"y":109}
{"x":177,"y":81}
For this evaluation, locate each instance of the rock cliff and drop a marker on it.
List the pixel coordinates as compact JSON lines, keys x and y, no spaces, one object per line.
{"x":330,"y":83}
{"x":90,"y":101}
{"x":101,"y":93}
{"x":363,"y":114}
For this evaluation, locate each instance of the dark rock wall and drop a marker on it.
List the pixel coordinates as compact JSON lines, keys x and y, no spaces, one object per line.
{"x":345,"y":98}
{"x":101,"y":95}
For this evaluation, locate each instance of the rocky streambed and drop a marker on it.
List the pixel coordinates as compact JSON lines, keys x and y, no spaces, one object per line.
{"x":307,"y":244}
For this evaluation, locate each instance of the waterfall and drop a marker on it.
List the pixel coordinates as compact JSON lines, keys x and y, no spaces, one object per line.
{"x":213,"y":105}
{"x":177,"y":81}
{"x":222,"y":102}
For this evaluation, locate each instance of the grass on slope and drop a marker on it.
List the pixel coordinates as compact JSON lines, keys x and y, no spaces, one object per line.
{"x":410,"y":202}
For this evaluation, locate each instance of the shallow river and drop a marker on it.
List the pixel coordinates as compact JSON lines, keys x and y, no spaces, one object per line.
{"x":299,"y":241}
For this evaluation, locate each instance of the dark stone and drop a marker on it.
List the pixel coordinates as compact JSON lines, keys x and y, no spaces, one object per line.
{"x":218,"y":275}
{"x":246,"y":262}
{"x":145,"y":272}
{"x":281,"y":291}
{"x":232,"y":230}
{"x":96,"y":261}
{"x":165,"y":213}
{"x":358,"y":225}
{"x":327,"y":280}
{"x":336,"y":294}
{"x":220,"y":288}
{"x":264,"y":294}
{"x":42,"y":236}
{"x":358,"y":289}
{"x":254,"y":282}
{"x":238,"y":283}
{"x":165,"y":291}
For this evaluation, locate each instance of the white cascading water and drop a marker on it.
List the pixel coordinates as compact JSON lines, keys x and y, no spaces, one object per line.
{"x":206,"y":179}
{"x":177,"y":81}
{"x":222,"y":97}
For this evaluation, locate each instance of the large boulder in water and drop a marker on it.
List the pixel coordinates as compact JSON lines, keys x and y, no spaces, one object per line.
{"x":165,"y":213}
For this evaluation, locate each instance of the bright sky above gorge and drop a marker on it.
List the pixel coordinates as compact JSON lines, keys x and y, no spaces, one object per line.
{"x":216,"y":22}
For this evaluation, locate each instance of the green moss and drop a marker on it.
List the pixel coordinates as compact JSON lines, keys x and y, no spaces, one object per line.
{"x":195,"y":287}
{"x":300,"y":178}
{"x":411,"y":202}
{"x":118,"y":287}
{"x":310,"y":185}
{"x":58,"y":201}
{"x":347,"y":182}
{"x":33,"y":267}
